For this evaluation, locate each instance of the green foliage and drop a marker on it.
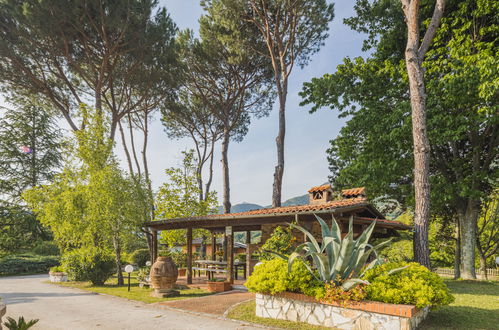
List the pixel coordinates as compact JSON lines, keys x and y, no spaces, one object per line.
{"x":140,"y":257}
{"x":140,"y":57}
{"x":179,"y":198}
{"x":272,"y":276}
{"x":19,"y":229}
{"x":29,"y":123}
{"x":374,"y":148}
{"x":57,"y":269}
{"x":414,"y":285}
{"x":46,"y":248}
{"x":92,"y":203}
{"x":88,"y":264}
{"x":143,"y":274}
{"x":336,"y":259}
{"x":20,"y":324}
{"x":281,"y":242}
{"x":179,"y":258}
{"x":334,"y":293}
{"x":26,"y":263}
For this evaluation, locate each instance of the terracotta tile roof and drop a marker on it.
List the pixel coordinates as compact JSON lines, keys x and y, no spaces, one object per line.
{"x":320,"y":188}
{"x":353,"y":192}
{"x":302,"y":208}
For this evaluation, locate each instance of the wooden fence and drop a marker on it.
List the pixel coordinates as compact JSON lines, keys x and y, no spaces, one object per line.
{"x":491,"y":272}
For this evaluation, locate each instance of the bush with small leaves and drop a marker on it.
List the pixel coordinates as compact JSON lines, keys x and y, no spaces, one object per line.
{"x":271,"y":277}
{"x":413,"y":285}
{"x":89,"y":264}
{"x":140,"y":257}
{"x":46,"y":248}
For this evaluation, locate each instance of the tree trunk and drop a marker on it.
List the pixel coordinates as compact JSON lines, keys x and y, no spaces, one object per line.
{"x":117,"y":251}
{"x":225,"y":171}
{"x":468,"y":221}
{"x":279,"y":169}
{"x":421,"y":157}
{"x":210,"y":171}
{"x":414,"y":55}
{"x":457,"y":252}
{"x":483,"y":267}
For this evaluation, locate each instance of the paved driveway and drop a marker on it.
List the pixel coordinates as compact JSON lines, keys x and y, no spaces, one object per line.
{"x":66,"y":308}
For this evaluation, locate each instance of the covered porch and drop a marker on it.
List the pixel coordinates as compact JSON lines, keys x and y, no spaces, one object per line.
{"x":353,"y":205}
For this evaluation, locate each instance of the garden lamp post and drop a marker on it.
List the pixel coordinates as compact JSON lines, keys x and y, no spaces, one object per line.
{"x":129,"y":270}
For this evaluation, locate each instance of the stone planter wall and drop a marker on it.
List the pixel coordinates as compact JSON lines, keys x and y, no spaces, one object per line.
{"x":355,"y":315}
{"x":58,"y":277}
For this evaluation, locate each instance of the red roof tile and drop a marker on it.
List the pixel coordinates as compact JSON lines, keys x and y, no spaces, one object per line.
{"x":354,"y":192}
{"x":320,"y":188}
{"x":302,"y":208}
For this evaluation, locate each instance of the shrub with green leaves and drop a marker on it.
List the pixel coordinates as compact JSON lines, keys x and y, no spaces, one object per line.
{"x":46,"y":248}
{"x":414,"y":285}
{"x":88,"y":264}
{"x":140,"y":257}
{"x":281,"y":242}
{"x":26,"y":263}
{"x":272,"y":276}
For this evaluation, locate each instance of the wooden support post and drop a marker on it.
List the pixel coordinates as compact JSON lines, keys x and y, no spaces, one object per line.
{"x":154,"y":246}
{"x":213,"y":247}
{"x":248,"y":254}
{"x":230,"y":254}
{"x":224,"y":247}
{"x":189,"y":255}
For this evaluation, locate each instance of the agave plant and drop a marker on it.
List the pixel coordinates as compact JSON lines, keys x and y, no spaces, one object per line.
{"x":21,"y":324}
{"x":336,"y":259}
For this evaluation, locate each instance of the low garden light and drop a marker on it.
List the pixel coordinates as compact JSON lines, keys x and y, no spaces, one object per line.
{"x":129,"y":270}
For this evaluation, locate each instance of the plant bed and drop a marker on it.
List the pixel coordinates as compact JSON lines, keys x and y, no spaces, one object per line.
{"x":219,"y":286}
{"x":345,"y":315}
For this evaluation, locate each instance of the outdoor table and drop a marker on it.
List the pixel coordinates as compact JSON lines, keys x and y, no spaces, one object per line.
{"x":212,"y":266}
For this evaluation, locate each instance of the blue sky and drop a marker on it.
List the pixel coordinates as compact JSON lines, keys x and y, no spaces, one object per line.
{"x":252,"y":161}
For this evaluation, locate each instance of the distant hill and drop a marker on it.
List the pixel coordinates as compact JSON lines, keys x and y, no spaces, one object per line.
{"x":243,"y":207}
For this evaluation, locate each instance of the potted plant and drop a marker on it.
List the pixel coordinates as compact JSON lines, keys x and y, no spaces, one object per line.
{"x":219,"y":285}
{"x":57,"y":274}
{"x":180,"y":259}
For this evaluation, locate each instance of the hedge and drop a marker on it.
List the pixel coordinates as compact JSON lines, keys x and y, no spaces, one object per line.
{"x":27,"y":264}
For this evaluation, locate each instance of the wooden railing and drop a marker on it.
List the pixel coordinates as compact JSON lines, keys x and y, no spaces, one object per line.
{"x":450,"y":272}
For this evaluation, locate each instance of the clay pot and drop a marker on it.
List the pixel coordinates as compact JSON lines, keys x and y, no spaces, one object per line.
{"x":164,"y":274}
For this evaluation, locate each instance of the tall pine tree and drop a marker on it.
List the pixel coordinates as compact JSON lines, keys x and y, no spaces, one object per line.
{"x":29,"y":147}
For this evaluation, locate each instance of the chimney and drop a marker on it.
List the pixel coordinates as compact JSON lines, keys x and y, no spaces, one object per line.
{"x":320,"y":194}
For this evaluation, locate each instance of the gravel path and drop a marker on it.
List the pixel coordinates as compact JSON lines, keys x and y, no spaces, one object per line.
{"x":66,"y":308}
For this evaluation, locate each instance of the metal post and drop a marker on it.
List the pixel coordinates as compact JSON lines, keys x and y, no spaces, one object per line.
{"x":129,"y":282}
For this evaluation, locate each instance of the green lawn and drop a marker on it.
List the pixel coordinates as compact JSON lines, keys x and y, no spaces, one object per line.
{"x":476,"y":307}
{"x":136,"y":293}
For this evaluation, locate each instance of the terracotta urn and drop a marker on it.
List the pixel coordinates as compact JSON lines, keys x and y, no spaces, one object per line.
{"x":163,"y":275}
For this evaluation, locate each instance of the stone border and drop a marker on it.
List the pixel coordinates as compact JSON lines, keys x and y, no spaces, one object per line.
{"x":368,"y":306}
{"x":355,"y":315}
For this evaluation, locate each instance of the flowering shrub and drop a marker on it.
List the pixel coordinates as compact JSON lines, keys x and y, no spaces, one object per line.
{"x":414,"y":285}
{"x":271,"y":277}
{"x":333,"y":292}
